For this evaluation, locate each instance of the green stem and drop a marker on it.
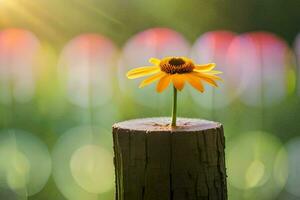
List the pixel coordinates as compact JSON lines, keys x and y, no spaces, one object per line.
{"x":174,"y":108}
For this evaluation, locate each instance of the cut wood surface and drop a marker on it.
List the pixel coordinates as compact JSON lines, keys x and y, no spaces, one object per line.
{"x":156,"y":162}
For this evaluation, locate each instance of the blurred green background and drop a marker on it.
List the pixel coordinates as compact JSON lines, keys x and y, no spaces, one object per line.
{"x":63,"y":85}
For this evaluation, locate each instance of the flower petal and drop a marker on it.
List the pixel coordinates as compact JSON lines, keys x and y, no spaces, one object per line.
{"x":142,"y":68}
{"x":142,"y":71}
{"x":207,"y":79}
{"x":152,"y":79}
{"x":195,"y":82}
{"x":210,"y":81}
{"x":215,"y":72}
{"x":178,"y":81}
{"x":154,"y":61}
{"x":163,"y":83}
{"x":205,"y":67}
{"x":206,"y":75}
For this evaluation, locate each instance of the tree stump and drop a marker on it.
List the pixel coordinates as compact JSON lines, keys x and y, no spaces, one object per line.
{"x":156,"y":162}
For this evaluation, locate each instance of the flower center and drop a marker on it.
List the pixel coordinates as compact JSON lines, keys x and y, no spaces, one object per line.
{"x":176,"y":61}
{"x":176,"y":65}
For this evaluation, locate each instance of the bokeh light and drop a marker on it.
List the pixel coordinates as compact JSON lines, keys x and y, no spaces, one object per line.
{"x":83,"y":167}
{"x":18,"y":50}
{"x":87,"y":66}
{"x":155,"y":42}
{"x":91,"y":167}
{"x":25,"y":163}
{"x":293,"y":182}
{"x":262,"y":60}
{"x":257,"y":167}
{"x":297,"y":53}
{"x":213,"y":47}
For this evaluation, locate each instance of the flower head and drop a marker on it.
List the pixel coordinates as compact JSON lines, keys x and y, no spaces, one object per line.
{"x":177,"y":70}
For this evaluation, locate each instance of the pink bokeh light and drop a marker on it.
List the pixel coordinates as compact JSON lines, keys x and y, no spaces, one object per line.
{"x":261,"y":59}
{"x":154,"y":42}
{"x":18,"y":51}
{"x":214,"y":47}
{"x":87,"y":62}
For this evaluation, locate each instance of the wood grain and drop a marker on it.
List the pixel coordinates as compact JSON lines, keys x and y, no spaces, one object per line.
{"x":156,"y":162}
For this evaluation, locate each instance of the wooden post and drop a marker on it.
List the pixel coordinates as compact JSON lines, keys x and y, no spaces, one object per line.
{"x":156,"y":162}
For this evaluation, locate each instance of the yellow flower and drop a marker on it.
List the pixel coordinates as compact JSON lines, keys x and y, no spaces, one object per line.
{"x":177,"y":70}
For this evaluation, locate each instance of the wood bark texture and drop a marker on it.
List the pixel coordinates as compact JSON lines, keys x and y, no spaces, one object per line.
{"x":156,"y":162}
